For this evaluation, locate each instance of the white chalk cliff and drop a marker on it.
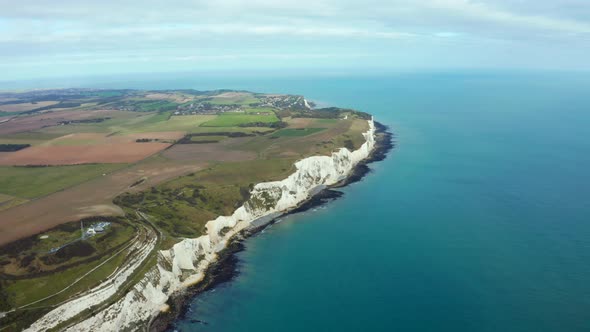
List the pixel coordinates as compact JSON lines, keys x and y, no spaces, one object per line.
{"x":185,"y":263}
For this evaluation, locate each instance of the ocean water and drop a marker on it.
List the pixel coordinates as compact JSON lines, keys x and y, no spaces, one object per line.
{"x":477,"y":221}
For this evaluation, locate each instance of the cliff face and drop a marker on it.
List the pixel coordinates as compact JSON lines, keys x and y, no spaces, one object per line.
{"x":184,"y":264}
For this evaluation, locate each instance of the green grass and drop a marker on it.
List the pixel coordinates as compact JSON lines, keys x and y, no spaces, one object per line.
{"x":32,"y":182}
{"x":246,"y":172}
{"x":236,"y":119}
{"x":161,"y":122}
{"x":157,"y":105}
{"x":292,"y":132}
{"x":181,"y":207}
{"x":119,"y":121}
{"x":259,"y":110}
{"x":37,"y":136}
{"x":115,"y":235}
{"x":138,"y":123}
{"x":157,"y":118}
{"x":25,"y":291}
{"x":247,"y":130}
{"x":29,"y":289}
{"x":69,"y":142}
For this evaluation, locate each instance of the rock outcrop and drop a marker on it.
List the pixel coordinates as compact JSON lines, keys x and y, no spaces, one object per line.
{"x":185,"y":263}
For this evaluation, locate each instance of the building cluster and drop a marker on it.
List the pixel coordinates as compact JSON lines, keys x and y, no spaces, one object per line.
{"x":96,"y":228}
{"x":205,"y":108}
{"x":284,"y":102}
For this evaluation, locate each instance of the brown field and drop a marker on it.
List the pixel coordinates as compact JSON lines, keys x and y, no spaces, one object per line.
{"x":36,"y":122}
{"x":299,"y":122}
{"x":222,"y":151}
{"x":25,"y":106}
{"x":106,"y":139}
{"x":169,"y":96}
{"x":232,"y":95}
{"x":164,"y":135}
{"x":90,"y":198}
{"x":82,"y":154}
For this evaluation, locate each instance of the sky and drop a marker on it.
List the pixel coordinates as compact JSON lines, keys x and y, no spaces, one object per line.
{"x":55,"y":38}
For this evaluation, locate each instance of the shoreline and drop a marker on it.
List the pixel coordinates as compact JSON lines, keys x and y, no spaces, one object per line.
{"x":224,"y":269}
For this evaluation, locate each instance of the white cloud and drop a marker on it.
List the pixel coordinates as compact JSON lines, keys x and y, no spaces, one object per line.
{"x":462,"y":31}
{"x":484,"y":12}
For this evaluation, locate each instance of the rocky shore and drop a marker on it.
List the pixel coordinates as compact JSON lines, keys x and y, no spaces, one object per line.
{"x":224,"y":269}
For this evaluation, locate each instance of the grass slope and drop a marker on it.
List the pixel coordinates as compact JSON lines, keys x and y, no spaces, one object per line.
{"x":296,"y":132}
{"x":32,"y":182}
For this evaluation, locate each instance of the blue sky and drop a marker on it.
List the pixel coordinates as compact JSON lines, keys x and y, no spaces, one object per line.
{"x":48,"y":38}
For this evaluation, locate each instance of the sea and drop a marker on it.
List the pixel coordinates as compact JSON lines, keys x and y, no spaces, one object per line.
{"x":478,"y":220}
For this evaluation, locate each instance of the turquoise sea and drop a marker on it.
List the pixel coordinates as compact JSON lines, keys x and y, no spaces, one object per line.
{"x":479,"y":220}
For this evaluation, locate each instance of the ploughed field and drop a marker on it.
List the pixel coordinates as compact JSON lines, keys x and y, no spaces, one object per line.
{"x":147,"y":163}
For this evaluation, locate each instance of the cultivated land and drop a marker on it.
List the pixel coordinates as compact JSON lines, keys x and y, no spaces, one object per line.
{"x":151,"y":163}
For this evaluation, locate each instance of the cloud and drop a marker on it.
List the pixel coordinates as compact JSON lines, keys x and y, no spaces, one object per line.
{"x":483,"y":12}
{"x":443,"y":32}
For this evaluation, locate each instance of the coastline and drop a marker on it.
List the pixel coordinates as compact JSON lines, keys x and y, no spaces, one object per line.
{"x":193,"y":264}
{"x":224,"y":269}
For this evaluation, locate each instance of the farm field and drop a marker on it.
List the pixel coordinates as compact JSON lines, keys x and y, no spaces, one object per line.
{"x":240,"y":119}
{"x":185,"y":123}
{"x":296,"y":132}
{"x":59,"y":155}
{"x":34,"y":182}
{"x":234,"y":98}
{"x":23,"y":107}
{"x":158,"y":161}
{"x":202,"y":139}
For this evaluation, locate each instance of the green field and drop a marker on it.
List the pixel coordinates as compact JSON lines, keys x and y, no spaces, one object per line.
{"x":32,"y":182}
{"x":29,"y":290}
{"x":237,"y":119}
{"x":251,"y":110}
{"x":181,"y":207}
{"x":161,"y":122}
{"x":293,"y":132}
{"x":123,"y":120}
{"x":135,"y":123}
{"x":28,"y":136}
{"x":247,"y":130}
